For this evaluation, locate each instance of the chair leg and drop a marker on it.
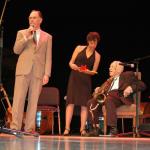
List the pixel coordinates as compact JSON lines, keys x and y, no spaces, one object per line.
{"x":134,"y":126}
{"x":59,"y":123}
{"x":122,"y":125}
{"x":105,"y":125}
{"x":52,"y":123}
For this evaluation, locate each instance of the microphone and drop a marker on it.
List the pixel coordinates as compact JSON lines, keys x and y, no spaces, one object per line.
{"x":127,"y":65}
{"x":32,"y":28}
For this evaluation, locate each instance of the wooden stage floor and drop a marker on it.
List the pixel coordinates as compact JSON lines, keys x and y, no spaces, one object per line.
{"x":11,"y":142}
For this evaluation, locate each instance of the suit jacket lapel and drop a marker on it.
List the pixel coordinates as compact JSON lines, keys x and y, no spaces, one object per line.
{"x":120,"y":81}
{"x":123,"y":81}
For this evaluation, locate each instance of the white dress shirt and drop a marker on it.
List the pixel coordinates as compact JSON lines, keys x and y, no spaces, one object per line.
{"x":115,"y":83}
{"x":38,"y":35}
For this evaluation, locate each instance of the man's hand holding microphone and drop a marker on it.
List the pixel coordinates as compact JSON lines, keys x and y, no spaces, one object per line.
{"x":30,"y":31}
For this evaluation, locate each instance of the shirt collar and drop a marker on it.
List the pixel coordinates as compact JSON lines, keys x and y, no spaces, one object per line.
{"x":38,"y":31}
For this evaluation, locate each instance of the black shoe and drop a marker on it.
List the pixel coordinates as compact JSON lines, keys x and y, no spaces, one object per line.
{"x":30,"y":133}
{"x":83,"y":132}
{"x":66,"y":132}
{"x":95,"y":132}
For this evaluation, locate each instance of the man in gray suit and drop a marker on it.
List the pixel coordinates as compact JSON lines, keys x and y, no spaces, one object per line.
{"x":34,"y":47}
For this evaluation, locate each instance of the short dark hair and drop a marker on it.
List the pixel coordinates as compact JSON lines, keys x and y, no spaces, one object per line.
{"x":92,"y":36}
{"x":39,"y":12}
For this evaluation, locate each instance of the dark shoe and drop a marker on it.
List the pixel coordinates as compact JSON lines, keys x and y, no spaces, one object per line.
{"x":66,"y":132}
{"x":95,"y":132}
{"x":113,"y":131}
{"x":83,"y":132}
{"x":30,"y":133}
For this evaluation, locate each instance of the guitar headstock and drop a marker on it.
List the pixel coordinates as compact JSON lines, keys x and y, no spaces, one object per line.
{"x":1,"y":86}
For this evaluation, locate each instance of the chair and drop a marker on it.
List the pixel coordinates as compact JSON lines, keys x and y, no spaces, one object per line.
{"x":126,"y":111}
{"x":49,"y":101}
{"x":146,"y":112}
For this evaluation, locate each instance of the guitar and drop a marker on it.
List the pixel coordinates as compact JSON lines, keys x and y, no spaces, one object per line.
{"x":8,"y":117}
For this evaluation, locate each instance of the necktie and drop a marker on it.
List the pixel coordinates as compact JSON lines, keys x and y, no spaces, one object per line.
{"x":112,"y":83}
{"x":34,"y":37}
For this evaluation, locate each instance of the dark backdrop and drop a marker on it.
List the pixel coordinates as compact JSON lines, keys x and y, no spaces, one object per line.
{"x":123,"y":27}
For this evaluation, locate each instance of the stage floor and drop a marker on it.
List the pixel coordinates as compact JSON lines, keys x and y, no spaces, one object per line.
{"x":10,"y":142}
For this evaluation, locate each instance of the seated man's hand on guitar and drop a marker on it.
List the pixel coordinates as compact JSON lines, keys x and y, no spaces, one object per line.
{"x":96,"y":90}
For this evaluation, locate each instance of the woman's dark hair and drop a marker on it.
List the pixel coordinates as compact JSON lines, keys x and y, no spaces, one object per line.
{"x":92,"y":36}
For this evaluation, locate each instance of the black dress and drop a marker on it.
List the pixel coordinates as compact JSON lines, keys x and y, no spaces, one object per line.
{"x":79,"y":85}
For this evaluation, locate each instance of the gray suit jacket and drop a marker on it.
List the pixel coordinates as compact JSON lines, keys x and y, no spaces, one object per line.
{"x":38,"y":58}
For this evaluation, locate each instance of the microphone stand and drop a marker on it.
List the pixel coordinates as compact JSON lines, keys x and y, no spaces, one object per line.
{"x":137,"y":103}
{"x":136,"y":61}
{"x":1,"y":49}
{"x":1,"y":40}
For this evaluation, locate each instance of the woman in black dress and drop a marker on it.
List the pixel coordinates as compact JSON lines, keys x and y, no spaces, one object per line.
{"x":84,"y":63}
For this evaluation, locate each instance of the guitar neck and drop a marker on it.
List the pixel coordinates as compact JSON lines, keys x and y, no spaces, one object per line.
{"x":6,"y":97}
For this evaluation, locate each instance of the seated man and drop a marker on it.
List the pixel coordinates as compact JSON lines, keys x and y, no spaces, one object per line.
{"x":116,"y":91}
